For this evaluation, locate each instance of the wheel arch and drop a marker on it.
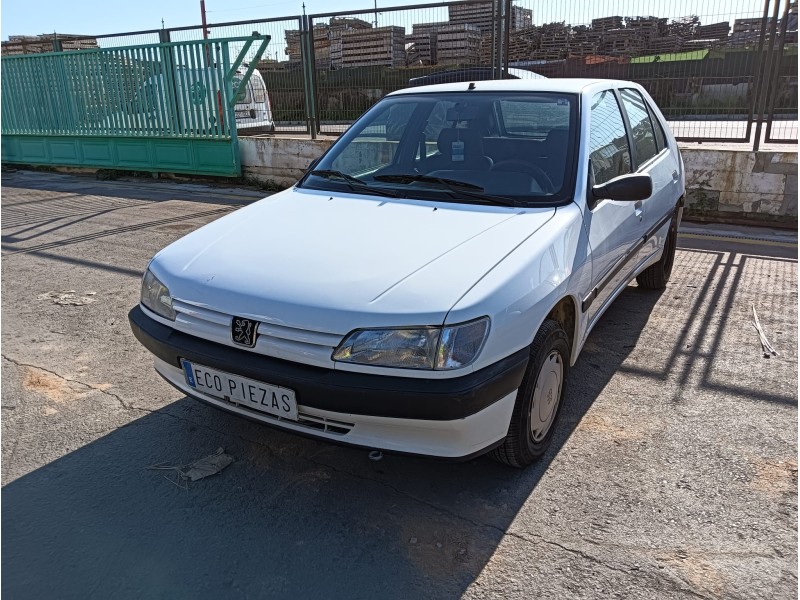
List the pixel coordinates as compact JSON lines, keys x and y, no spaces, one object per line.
{"x":566,"y":313}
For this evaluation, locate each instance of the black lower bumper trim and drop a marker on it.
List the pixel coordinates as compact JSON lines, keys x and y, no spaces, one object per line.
{"x":342,"y":391}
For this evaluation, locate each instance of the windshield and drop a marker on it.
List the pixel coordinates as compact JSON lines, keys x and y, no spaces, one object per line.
{"x":513,"y":148}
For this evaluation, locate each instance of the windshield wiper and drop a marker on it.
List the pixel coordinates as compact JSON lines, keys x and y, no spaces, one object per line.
{"x":459,"y":187}
{"x":354,"y":183}
{"x":410,"y":178}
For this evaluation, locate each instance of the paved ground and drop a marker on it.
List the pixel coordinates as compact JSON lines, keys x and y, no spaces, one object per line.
{"x":673,"y":474}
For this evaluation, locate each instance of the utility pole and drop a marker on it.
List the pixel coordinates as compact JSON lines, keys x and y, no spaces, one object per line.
{"x":203,"y":18}
{"x":205,"y":31}
{"x":376,"y":14}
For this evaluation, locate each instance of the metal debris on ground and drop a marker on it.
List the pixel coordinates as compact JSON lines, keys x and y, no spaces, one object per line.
{"x":204,"y":467}
{"x":209,"y":465}
{"x":766,"y":347}
{"x":69,"y":298}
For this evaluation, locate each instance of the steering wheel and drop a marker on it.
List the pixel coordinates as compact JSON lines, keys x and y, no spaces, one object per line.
{"x":539,"y":174}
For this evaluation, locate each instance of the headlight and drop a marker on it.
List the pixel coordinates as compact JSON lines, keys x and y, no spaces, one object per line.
{"x":155,"y":296}
{"x":439,"y":348}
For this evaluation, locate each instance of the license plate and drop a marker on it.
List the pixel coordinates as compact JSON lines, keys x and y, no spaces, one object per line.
{"x":272,"y":399}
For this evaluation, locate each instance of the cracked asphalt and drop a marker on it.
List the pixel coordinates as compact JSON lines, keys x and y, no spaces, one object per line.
{"x":673,"y":473}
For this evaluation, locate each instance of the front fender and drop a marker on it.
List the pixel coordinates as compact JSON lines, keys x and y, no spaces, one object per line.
{"x":520,"y":291}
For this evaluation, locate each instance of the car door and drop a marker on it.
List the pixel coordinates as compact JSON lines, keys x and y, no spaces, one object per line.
{"x":615,"y":227}
{"x":653,"y":156}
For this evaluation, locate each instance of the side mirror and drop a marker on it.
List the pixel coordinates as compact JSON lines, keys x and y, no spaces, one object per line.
{"x":633,"y":187}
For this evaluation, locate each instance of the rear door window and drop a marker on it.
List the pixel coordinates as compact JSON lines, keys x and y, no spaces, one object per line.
{"x":644,"y":138}
{"x":661,"y":137}
{"x":259,"y":90}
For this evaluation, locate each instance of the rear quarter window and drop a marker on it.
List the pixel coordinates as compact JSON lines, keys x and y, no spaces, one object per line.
{"x":534,"y":118}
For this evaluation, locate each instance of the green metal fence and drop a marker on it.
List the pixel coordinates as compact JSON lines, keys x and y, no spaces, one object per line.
{"x":156,"y":107}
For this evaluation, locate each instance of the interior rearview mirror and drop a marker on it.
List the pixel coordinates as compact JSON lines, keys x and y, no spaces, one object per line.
{"x":635,"y":186}
{"x":462,"y":112}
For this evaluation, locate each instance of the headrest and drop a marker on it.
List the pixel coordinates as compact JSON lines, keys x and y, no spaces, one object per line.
{"x":473,"y":142}
{"x":558,"y":136}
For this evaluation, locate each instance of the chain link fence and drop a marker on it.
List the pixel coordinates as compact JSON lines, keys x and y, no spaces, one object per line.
{"x":720,"y":71}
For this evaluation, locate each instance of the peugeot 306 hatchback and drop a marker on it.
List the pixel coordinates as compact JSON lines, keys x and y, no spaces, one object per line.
{"x":428,"y":283}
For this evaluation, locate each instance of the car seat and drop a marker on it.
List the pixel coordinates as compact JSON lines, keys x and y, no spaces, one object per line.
{"x":459,"y":150}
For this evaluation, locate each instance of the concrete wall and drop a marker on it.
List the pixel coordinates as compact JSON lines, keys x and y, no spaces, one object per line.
{"x":721,"y":184}
{"x":279,"y":159}
{"x":761,"y":186}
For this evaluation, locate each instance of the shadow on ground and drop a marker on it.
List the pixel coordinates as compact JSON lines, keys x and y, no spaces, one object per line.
{"x":297,"y":518}
{"x":291,"y":517}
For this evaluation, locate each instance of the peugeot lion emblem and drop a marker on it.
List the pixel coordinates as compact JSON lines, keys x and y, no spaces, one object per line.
{"x":243,"y":331}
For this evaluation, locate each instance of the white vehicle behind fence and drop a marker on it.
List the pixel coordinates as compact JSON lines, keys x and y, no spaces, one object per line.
{"x":253,"y":110}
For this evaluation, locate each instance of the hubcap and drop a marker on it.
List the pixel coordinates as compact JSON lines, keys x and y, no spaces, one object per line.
{"x":546,"y":396}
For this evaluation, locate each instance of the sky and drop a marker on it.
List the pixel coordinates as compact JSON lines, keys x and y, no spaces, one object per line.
{"x":31,"y":17}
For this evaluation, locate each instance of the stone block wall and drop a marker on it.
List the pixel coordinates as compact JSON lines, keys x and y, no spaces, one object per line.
{"x":725,"y":184}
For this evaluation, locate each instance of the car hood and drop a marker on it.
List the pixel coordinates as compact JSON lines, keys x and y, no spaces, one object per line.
{"x":334,"y":262}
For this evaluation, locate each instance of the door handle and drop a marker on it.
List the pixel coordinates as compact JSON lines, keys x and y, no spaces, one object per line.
{"x":637,"y":209}
{"x":675,"y":175}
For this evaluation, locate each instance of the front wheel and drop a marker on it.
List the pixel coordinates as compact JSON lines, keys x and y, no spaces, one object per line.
{"x":539,"y":398}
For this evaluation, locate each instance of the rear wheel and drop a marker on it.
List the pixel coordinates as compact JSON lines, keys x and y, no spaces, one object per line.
{"x":655,"y":277}
{"x":539,"y":398}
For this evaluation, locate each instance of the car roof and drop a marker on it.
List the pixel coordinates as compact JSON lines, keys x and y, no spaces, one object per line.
{"x":468,"y":74}
{"x":566,"y":86}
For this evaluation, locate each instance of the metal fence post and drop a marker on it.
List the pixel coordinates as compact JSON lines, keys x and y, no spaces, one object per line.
{"x":495,"y":35}
{"x":499,"y":27}
{"x":301,"y":24}
{"x":307,"y":67}
{"x":312,"y":72}
{"x":763,"y":92}
{"x":500,"y":35}
{"x":506,"y":38}
{"x":758,"y":66}
{"x":229,"y":100}
{"x":772,"y":89}
{"x":170,"y":86}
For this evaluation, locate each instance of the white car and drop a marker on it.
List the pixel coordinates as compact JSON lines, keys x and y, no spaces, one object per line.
{"x":194,"y":94}
{"x":426,"y":291}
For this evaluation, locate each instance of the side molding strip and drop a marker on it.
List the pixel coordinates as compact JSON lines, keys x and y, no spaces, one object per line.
{"x":587,"y":301}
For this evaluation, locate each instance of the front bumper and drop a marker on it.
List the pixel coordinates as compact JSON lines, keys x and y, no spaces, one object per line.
{"x":452,"y":418}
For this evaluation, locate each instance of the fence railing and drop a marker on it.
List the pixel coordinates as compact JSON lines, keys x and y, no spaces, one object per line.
{"x":168,"y":89}
{"x":725,"y":72}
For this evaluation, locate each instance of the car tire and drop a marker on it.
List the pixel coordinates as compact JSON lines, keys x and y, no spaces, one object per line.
{"x":539,"y":399}
{"x":655,"y":277}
